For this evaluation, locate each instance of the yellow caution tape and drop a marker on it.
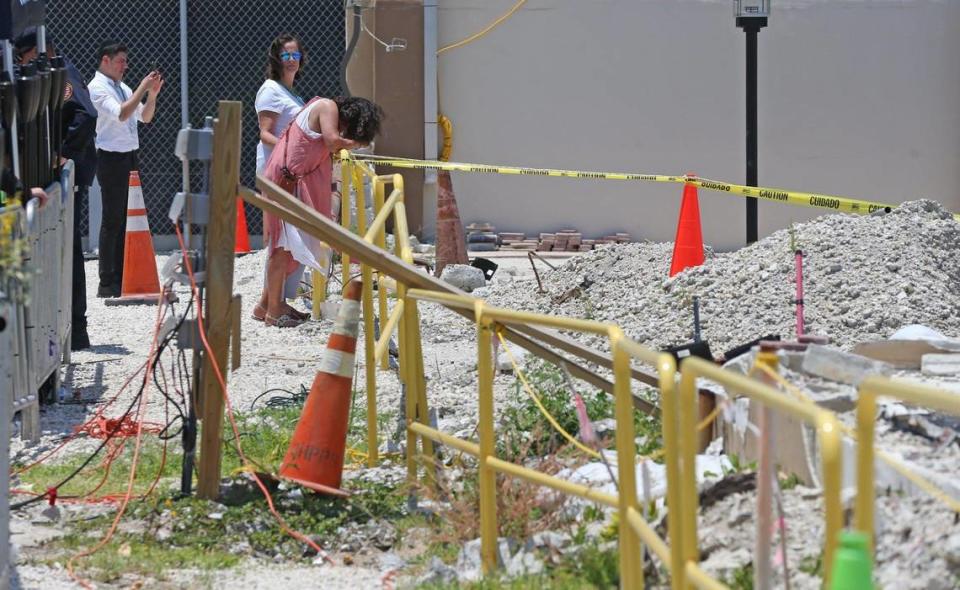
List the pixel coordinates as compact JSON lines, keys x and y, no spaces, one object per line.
{"x":515,"y":170}
{"x":776,"y":195}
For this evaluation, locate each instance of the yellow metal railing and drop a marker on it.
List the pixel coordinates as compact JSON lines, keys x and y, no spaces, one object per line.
{"x":870,"y":389}
{"x":356,"y":174}
{"x":823,"y":421}
{"x":678,"y":407}
{"x":634,"y":531}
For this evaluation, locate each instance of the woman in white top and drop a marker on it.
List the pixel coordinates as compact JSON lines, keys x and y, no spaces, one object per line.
{"x":276,"y":103}
{"x":276,"y":106}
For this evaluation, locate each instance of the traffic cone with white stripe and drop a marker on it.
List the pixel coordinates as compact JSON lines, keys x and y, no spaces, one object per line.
{"x":140,"y":281}
{"x":315,"y":457}
{"x":688,"y":246}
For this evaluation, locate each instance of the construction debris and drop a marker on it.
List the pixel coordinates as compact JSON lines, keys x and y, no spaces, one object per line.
{"x":464,"y":276}
{"x":564,"y":240}
{"x":865,"y":277}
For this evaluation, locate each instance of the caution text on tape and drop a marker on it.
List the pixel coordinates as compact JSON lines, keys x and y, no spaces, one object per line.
{"x":775,"y":195}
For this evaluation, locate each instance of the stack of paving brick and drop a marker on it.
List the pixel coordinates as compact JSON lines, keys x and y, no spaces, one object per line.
{"x":508,"y":239}
{"x":481,"y":237}
{"x":565,"y":240}
{"x":617,"y":238}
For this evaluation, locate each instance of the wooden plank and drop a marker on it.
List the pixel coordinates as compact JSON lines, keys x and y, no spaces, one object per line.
{"x":278,"y":202}
{"x":221,"y":235}
{"x":236,"y":312}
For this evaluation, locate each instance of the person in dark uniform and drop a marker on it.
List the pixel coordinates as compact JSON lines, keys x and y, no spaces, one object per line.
{"x":79,"y":125}
{"x":119,"y":108}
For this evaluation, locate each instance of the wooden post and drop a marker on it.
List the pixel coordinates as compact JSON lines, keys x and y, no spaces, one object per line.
{"x":224,"y":185}
{"x":707,"y":403}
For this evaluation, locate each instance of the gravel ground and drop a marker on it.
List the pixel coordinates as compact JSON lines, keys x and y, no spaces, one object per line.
{"x":918,"y":547}
{"x":865,"y":277}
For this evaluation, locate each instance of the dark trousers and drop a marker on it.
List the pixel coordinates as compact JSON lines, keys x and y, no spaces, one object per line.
{"x":79,"y":315}
{"x":113,"y":172}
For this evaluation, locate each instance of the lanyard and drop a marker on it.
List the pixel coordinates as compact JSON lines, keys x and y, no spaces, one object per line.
{"x":119,"y":90}
{"x":295,"y":98}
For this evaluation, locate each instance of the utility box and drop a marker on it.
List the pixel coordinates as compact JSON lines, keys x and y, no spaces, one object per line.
{"x":751,"y":8}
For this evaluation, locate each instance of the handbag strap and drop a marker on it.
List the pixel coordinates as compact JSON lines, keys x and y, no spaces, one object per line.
{"x":286,"y":141}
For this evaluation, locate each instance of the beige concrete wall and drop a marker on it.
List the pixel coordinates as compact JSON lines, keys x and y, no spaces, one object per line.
{"x":394,"y":80}
{"x":857,"y":98}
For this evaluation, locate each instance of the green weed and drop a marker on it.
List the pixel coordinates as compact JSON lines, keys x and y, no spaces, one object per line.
{"x":740,"y":578}
{"x":163,"y":532}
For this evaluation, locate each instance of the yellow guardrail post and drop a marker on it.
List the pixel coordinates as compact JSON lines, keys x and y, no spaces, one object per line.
{"x":381,"y":242}
{"x":832,"y":460}
{"x":346,"y":179}
{"x":866,"y":420}
{"x":318,"y":295}
{"x":689,"y":502}
{"x":631,"y":552}
{"x":369,"y":340}
{"x":870,"y":389}
{"x":423,"y":410}
{"x":670,"y":424}
{"x":488,"y":476}
{"x":410,"y":402}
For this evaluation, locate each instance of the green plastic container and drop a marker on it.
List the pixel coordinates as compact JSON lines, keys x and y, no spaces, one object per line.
{"x":852,"y":565}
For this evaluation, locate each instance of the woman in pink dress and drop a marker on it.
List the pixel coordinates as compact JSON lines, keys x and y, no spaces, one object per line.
{"x":301,"y":162}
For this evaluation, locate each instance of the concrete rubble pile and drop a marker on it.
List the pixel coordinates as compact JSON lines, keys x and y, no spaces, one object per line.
{"x":865,"y":279}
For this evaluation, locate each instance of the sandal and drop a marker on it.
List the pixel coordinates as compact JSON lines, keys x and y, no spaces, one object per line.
{"x":300,"y":315}
{"x":259,"y":317}
{"x":284,"y":321}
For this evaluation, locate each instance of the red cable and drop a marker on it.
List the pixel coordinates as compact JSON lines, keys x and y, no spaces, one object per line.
{"x":141,"y":409}
{"x":75,"y":433}
{"x":223,"y":387}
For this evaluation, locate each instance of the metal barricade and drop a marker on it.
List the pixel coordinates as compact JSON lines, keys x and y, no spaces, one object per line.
{"x":36,"y":299}
{"x":12,"y":362}
{"x":43,"y":220}
{"x":65,"y":301}
{"x":16,"y":284}
{"x":36,"y":271}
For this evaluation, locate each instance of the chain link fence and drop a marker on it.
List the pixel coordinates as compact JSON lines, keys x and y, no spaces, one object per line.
{"x":227,"y":51}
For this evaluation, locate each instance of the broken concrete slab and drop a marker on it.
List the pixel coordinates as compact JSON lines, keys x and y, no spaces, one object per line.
{"x":505,"y":363}
{"x":837,"y":365}
{"x":900,"y":354}
{"x":940,"y":364}
{"x":463,"y":276}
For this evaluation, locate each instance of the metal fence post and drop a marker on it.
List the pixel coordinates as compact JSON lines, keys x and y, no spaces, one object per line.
{"x":369,"y":338}
{"x":7,"y":384}
{"x":866,"y":421}
{"x":667,"y":370}
{"x":832,"y":460}
{"x":631,"y":551}
{"x":381,"y":242}
{"x":346,"y":180}
{"x":488,"y":476}
{"x":689,"y":502}
{"x":406,"y":362}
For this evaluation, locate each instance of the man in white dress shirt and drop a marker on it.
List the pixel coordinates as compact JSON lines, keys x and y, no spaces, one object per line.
{"x":118,"y":109}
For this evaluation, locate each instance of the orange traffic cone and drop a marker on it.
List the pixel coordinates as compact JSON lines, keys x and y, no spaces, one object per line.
{"x":451,"y":243}
{"x":140,"y":282}
{"x":315,"y":457}
{"x":688,"y":245}
{"x":243,"y":238}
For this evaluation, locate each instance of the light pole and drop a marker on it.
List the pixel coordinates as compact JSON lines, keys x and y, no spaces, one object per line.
{"x":751,"y":16}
